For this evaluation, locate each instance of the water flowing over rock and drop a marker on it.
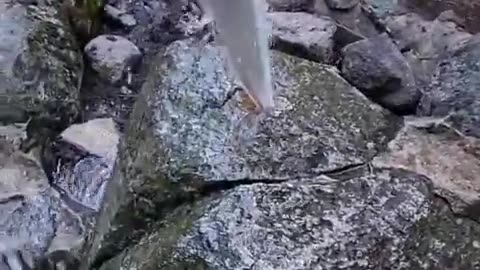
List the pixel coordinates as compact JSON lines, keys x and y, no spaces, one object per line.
{"x":180,"y":136}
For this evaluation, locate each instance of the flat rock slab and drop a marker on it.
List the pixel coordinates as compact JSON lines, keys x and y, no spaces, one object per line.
{"x":180,"y":139}
{"x":382,"y":219}
{"x":40,"y":62}
{"x":439,"y":152}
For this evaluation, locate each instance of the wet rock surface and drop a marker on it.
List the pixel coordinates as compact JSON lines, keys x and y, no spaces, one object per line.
{"x":166,"y":168}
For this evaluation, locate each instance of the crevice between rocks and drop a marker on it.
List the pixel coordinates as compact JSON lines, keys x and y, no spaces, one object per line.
{"x":197,"y":190}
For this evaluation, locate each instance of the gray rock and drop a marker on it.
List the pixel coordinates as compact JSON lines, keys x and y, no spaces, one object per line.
{"x":430,"y":147}
{"x":41,"y":64}
{"x":180,"y":140}
{"x":111,"y":56}
{"x":290,"y":5}
{"x":342,"y":4}
{"x":86,"y":154}
{"x":34,"y":218}
{"x":426,"y":42}
{"x":380,"y":71}
{"x":303,"y":35}
{"x":453,"y":91}
{"x":382,"y":219}
{"x":119,"y":16}
{"x":99,"y":137}
{"x":356,"y":20}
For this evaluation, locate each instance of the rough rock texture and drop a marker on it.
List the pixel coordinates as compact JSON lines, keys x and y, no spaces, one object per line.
{"x":385,"y":219}
{"x":180,"y":137}
{"x":426,"y":42}
{"x":303,"y":35}
{"x":453,"y":91}
{"x":433,"y":149}
{"x":111,"y":56}
{"x":379,"y":70}
{"x":33,"y":215}
{"x":342,"y":4}
{"x":40,"y":63}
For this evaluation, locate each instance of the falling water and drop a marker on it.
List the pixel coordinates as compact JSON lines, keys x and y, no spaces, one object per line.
{"x":241,"y":25}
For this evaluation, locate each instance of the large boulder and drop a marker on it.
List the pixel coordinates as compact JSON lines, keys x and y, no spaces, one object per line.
{"x":181,"y":136}
{"x":377,"y":219}
{"x":453,"y":91}
{"x":40,"y":64}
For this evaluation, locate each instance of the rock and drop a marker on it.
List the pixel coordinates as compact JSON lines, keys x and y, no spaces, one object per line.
{"x":435,"y":150}
{"x":182,"y":140}
{"x":41,"y":64}
{"x":34,"y":218}
{"x":290,"y":5}
{"x":119,"y":16}
{"x":426,"y":42}
{"x":380,"y":71}
{"x":465,"y":9}
{"x":111,"y":56}
{"x":82,"y":161}
{"x":303,"y":35}
{"x":342,"y":4}
{"x":98,"y":137}
{"x":384,"y":219}
{"x":453,"y":91}
{"x":356,"y":20}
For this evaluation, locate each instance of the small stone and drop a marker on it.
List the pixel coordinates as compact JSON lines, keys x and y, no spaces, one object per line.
{"x":111,"y":56}
{"x":98,"y":136}
{"x":342,"y":4}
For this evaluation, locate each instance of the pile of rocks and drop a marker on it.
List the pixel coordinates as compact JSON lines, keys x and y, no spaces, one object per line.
{"x":371,"y":159}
